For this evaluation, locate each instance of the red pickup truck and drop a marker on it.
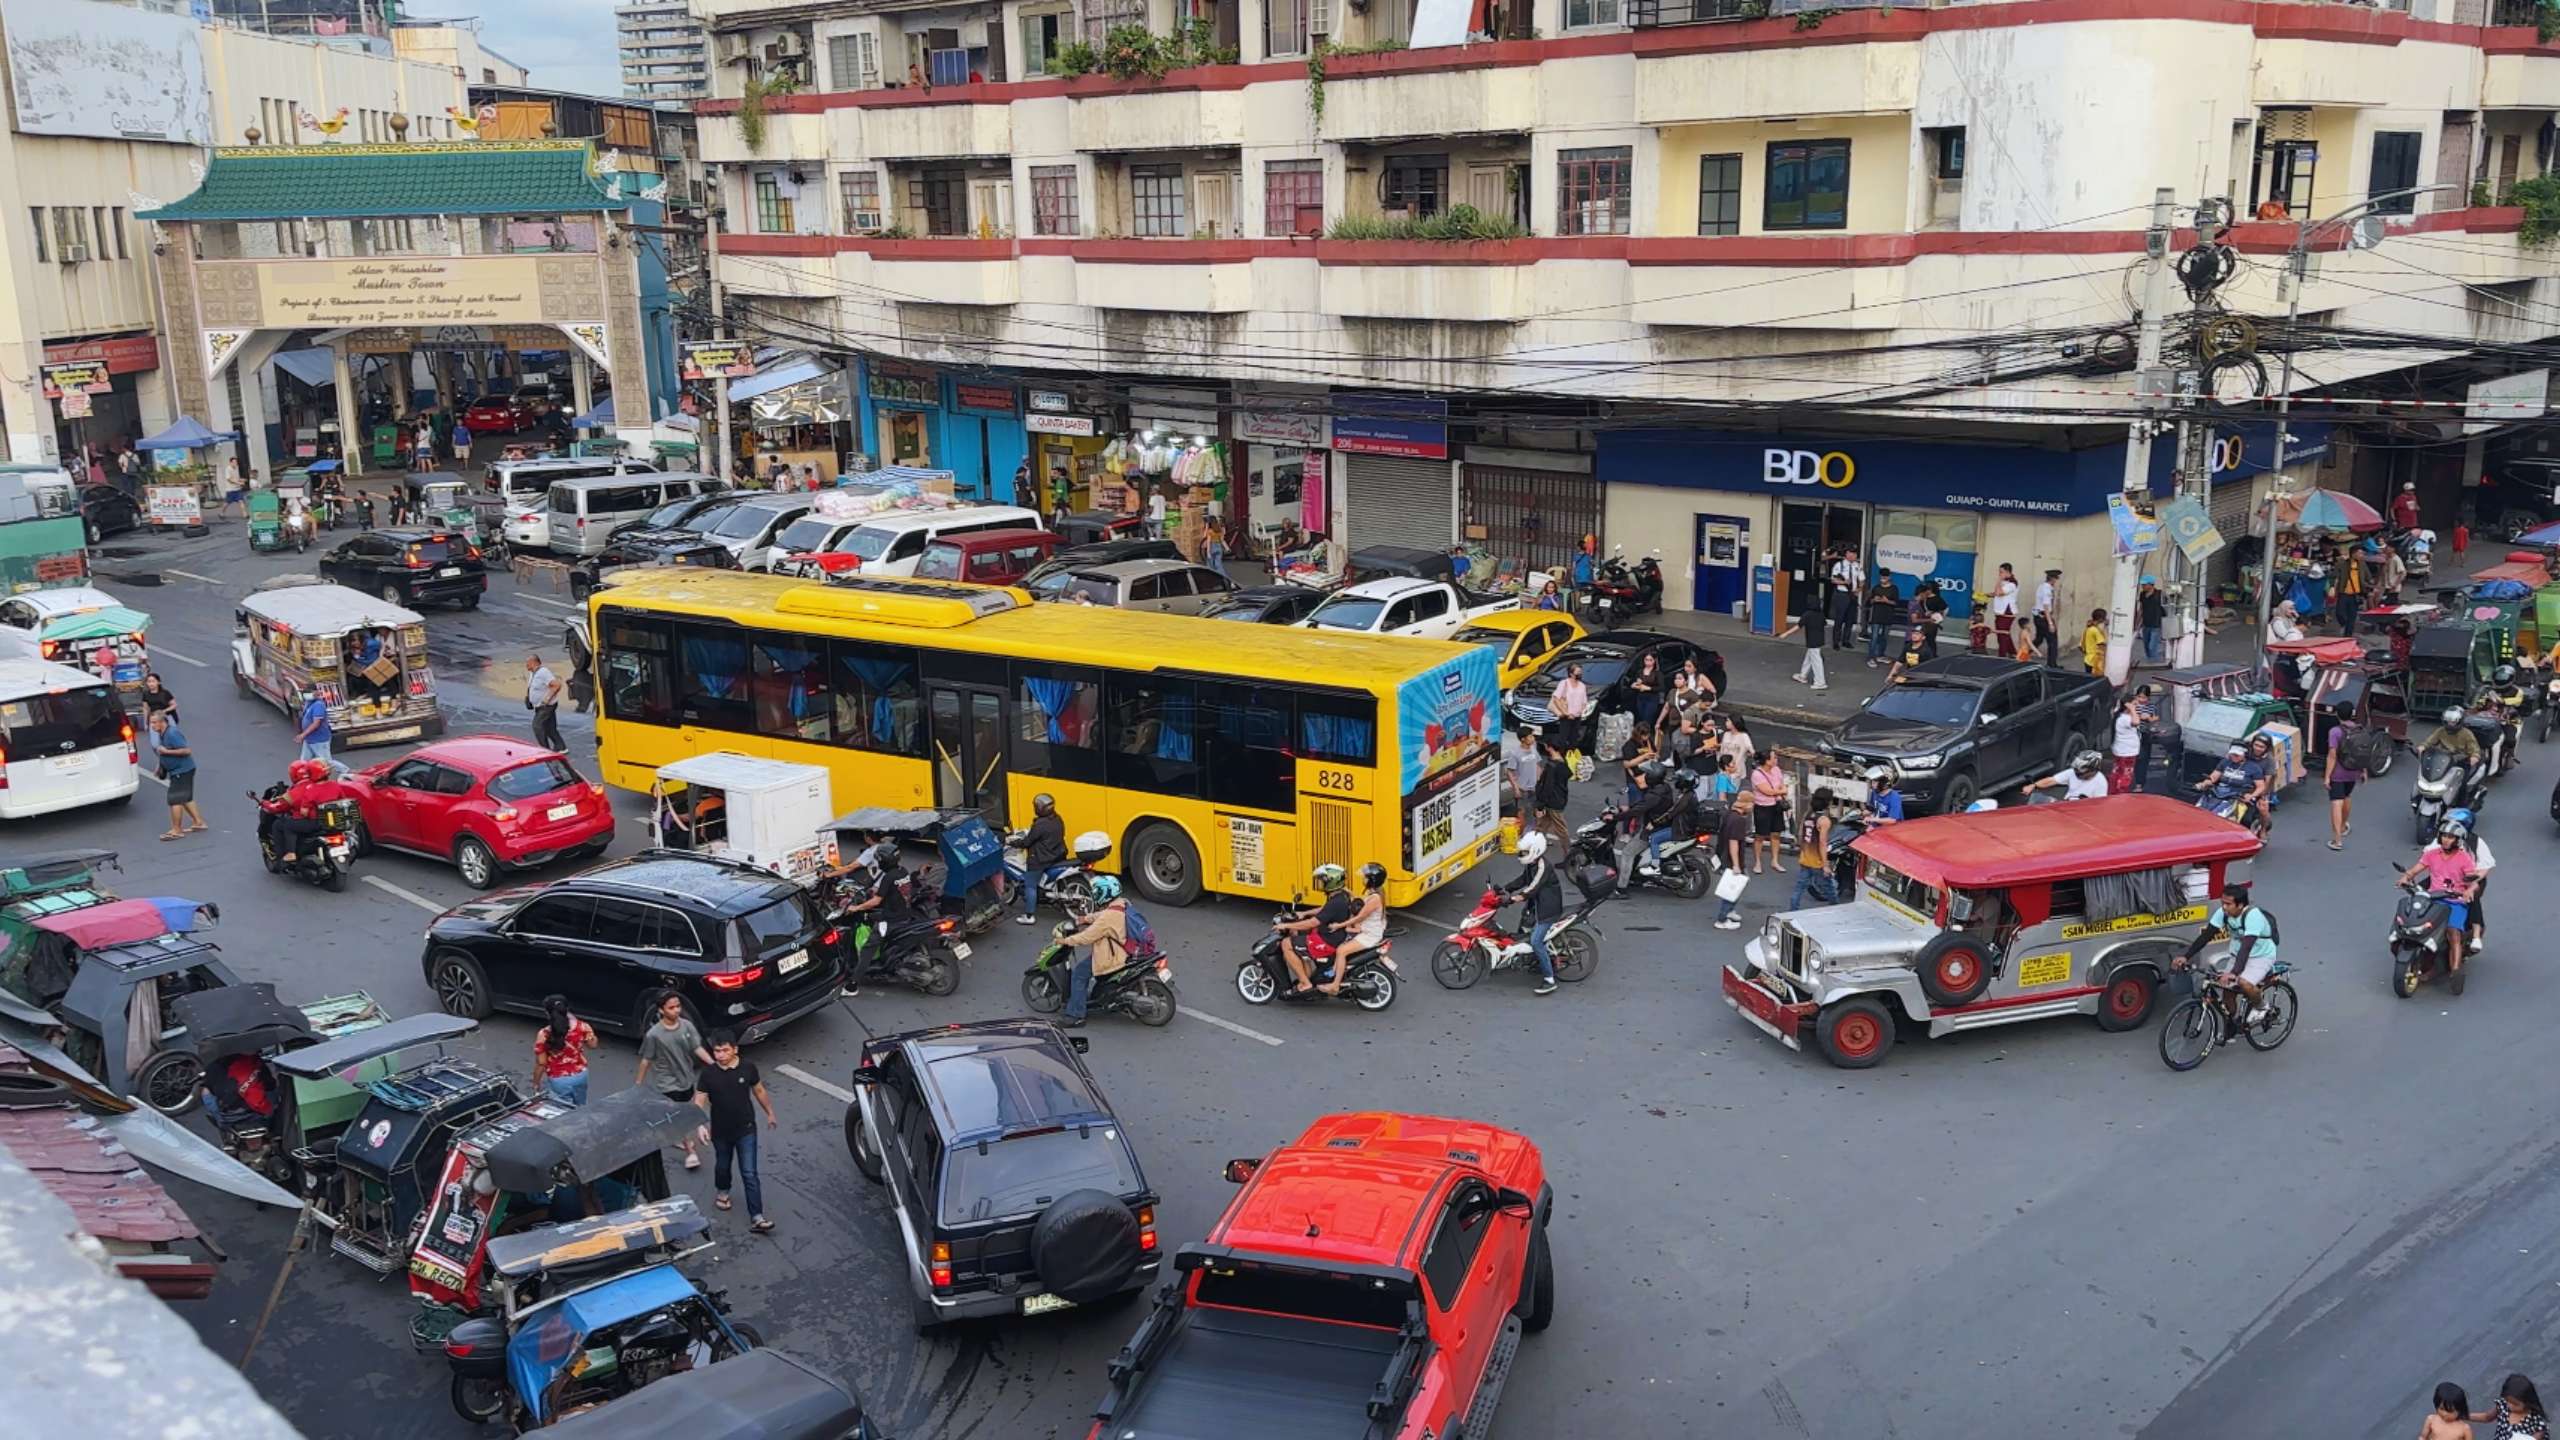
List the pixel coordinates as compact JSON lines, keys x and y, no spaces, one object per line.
{"x":1370,"y":1282}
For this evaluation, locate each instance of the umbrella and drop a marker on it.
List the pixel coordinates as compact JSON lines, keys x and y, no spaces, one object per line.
{"x":600,"y":418}
{"x":2318,"y":511}
{"x":2541,"y":535}
{"x":188,"y":434}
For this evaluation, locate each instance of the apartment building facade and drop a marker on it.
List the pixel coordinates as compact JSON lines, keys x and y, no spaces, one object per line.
{"x":662,"y":51}
{"x":1636,"y":205}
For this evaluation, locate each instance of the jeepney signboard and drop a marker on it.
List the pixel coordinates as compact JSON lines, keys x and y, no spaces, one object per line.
{"x":2184,"y":915}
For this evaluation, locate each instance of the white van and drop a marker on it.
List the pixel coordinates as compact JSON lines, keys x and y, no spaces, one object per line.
{"x":892,"y":542}
{"x":581,"y":515}
{"x":523,"y":484}
{"x":65,"y":740}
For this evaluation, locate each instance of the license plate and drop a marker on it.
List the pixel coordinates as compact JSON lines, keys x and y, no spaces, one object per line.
{"x":960,"y":948}
{"x":450,"y":571}
{"x":338,"y":851}
{"x":1389,"y":961}
{"x":74,"y":764}
{"x":791,"y":962}
{"x":561,"y":812}
{"x":1043,"y":1304}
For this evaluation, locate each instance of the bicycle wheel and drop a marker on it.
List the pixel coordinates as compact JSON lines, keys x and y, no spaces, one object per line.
{"x":2190,"y":1034}
{"x":2283,"y":1008}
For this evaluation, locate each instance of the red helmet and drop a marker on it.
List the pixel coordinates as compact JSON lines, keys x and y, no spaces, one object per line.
{"x":302,"y":770}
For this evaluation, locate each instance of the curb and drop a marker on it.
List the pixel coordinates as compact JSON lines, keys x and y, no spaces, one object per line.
{"x":1783,"y":715}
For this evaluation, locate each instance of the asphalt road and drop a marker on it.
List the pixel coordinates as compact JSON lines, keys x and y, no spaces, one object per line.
{"x":2036,"y":1230}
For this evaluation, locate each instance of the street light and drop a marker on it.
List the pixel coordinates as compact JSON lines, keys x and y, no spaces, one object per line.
{"x":2296,"y":261}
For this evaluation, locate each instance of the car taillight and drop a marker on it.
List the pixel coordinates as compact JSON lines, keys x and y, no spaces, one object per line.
{"x":4,"y":763}
{"x":415,"y":561}
{"x":737,"y":981}
{"x":418,"y":686}
{"x":598,"y":789}
{"x":1147,"y":1227}
{"x":52,"y":649}
{"x":831,"y":937}
{"x":503,"y":814}
{"x":941,"y":1265}
{"x":475,"y":552}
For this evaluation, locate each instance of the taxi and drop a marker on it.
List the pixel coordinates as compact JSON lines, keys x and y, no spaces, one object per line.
{"x":1521,"y":640}
{"x":1972,"y":920}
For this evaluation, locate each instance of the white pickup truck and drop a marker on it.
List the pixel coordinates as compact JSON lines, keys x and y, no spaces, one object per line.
{"x":1405,"y":605}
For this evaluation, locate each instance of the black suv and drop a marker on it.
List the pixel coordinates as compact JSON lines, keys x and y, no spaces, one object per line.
{"x":409,"y":567}
{"x":1016,"y":1190}
{"x":629,"y":548}
{"x":740,"y":944}
{"x":1963,"y":726}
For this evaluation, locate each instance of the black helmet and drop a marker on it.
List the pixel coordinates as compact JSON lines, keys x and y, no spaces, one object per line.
{"x":1653,"y":771}
{"x":1684,"y":779}
{"x":1373,"y":875}
{"x":2505,"y":675}
{"x":1043,"y":803}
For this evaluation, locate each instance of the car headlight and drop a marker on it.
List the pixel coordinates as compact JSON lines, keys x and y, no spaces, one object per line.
{"x":1769,"y":931}
{"x":1812,"y":958}
{"x":1918,"y":764}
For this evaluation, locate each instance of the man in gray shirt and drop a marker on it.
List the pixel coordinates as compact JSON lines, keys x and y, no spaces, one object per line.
{"x":673,"y":1048}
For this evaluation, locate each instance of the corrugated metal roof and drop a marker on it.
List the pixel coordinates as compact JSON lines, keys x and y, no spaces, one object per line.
{"x":455,"y":177}
{"x":88,"y":1170}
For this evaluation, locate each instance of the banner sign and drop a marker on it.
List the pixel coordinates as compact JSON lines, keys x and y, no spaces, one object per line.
{"x":2187,"y":525}
{"x":717,"y":360}
{"x":180,"y":505}
{"x":2136,"y":533}
{"x":1412,"y":427}
{"x":85,"y":377}
{"x":1040,"y":424}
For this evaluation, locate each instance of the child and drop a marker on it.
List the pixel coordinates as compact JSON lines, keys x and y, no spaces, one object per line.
{"x":2093,"y":643}
{"x":1978,"y":635}
{"x":2452,"y":1417}
{"x":1910,"y":657}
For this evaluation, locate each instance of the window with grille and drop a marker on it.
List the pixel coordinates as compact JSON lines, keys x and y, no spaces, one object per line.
{"x":1156,"y":201}
{"x":1592,"y":190}
{"x":853,"y":63}
{"x":1101,"y":15}
{"x":1719,"y":194}
{"x":1418,"y":184}
{"x":1588,"y":14}
{"x":773,"y":208}
{"x":861,"y":192}
{"x":1807,"y":186}
{"x":1053,"y":200}
{"x":1293,"y":197}
{"x":1284,"y":28}
{"x":943,"y":196}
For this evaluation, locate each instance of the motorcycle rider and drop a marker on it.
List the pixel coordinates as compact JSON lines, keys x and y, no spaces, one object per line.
{"x":1330,"y":920}
{"x":2253,"y":936}
{"x":1044,"y":853}
{"x":1666,"y":806}
{"x":2487,"y":860}
{"x":2503,"y":701}
{"x":1101,"y":947}
{"x":2452,"y":876}
{"x":295,"y":815}
{"x":2455,"y":738}
{"x":1543,"y":896}
{"x":1884,"y":794}
{"x":2082,"y":781}
{"x":2237,"y":778}
{"x":874,"y":877}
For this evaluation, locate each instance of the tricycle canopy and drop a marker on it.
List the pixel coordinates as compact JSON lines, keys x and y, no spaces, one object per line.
{"x":2038,"y":844}
{"x":638,"y":1230}
{"x":761,"y":1395}
{"x":589,"y":1142}
{"x":882,"y":820}
{"x":44,"y":870}
{"x":241,"y":1020}
{"x":1372,"y":561}
{"x":554,"y":1336}
{"x":347,"y":1051}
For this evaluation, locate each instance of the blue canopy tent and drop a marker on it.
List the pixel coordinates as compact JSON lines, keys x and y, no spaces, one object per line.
{"x":187,"y":434}
{"x":600,"y":418}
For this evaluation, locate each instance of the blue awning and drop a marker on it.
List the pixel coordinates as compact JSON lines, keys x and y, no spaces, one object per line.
{"x":311,"y":367}
{"x":767,"y":381}
{"x":599,"y":418}
{"x":188,"y":433}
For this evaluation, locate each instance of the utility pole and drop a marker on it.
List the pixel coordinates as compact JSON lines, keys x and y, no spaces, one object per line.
{"x":727,"y":459}
{"x":2137,"y":438}
{"x":2195,"y":481}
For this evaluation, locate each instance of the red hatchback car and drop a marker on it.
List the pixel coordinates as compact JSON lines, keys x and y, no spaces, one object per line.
{"x":487,"y":803}
{"x":496,"y":415}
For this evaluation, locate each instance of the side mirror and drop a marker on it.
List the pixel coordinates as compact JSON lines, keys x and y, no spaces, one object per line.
{"x":1515,"y":1202}
{"x":868,"y":1075}
{"x":1960,"y":908}
{"x":1987,"y":720}
{"x":1239,"y":1171}
{"x":1079,"y":1044}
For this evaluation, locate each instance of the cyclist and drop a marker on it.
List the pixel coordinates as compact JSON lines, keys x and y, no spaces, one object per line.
{"x":2252,"y":932}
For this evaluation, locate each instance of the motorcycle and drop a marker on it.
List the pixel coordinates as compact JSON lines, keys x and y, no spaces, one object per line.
{"x":1142,"y":989}
{"x":2417,"y":552}
{"x":1611,"y":597}
{"x":1264,"y":975}
{"x":2547,"y":688}
{"x":2232,"y":803}
{"x":2444,"y":783}
{"x":1480,"y":946}
{"x":2419,"y":935}
{"x":1845,"y":831}
{"x":330,"y":855}
{"x":1686,"y":869}
{"x":1649,"y":584}
{"x":1071,"y":888}
{"x":897,"y":941}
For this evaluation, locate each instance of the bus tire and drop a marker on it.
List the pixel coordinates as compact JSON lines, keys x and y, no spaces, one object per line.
{"x":1163,"y":864}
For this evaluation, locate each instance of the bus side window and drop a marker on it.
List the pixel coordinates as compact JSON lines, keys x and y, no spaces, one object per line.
{"x":639,"y":671}
{"x":1246,"y":730}
{"x":1153,"y":735}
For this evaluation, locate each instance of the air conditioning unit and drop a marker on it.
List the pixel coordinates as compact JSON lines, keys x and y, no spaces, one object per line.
{"x":788,"y":45}
{"x":730,"y":49}
{"x":74,"y":254}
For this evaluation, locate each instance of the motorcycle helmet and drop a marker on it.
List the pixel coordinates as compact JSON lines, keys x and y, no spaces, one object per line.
{"x":1329,"y":876}
{"x":2450,"y":831}
{"x":2453,"y":715}
{"x":1653,"y":771}
{"x":2505,"y":675}
{"x":1533,"y":847}
{"x":1373,"y":875}
{"x":1106,"y":888}
{"x":1879,"y":775}
{"x":2087,"y":762}
{"x":1684,"y":779}
{"x":2459,"y":815}
{"x":2236,"y":752}
{"x":1043,"y":804}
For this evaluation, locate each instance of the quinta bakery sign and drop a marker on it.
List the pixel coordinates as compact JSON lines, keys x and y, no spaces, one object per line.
{"x":466,"y":290}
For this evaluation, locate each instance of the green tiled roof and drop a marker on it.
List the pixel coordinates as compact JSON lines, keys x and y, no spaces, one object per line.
{"x":453,"y":177}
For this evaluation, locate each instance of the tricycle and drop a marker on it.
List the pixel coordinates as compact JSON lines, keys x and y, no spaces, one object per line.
{"x":266,"y":522}
{"x":111,"y":973}
{"x":541,"y":1164}
{"x":282,"y":1126}
{"x":768,"y":813}
{"x":395,"y":1148}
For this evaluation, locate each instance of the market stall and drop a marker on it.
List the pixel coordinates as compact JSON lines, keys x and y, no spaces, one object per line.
{"x":180,"y":488}
{"x":2314,"y":546}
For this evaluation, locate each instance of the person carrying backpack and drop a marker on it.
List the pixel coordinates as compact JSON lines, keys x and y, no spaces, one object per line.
{"x":2356,"y":750}
{"x":1102,"y":947}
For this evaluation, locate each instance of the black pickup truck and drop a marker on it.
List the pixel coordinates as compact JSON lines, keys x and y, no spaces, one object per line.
{"x":1966,"y":725}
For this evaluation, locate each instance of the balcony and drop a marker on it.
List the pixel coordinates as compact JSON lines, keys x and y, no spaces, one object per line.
{"x":1421,"y":93}
{"x":1878,"y":77}
{"x":795,"y":128}
{"x":1109,"y":114}
{"x":934,"y":131}
{"x":1191,"y":277}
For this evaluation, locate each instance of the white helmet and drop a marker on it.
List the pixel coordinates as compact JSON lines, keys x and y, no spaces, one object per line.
{"x":1533,"y":847}
{"x":2453,"y":716}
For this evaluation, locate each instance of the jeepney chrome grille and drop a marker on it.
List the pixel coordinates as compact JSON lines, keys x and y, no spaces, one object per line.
{"x":1791,"y":948}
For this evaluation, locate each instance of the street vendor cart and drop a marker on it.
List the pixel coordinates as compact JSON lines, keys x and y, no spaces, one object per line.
{"x":768,"y":813}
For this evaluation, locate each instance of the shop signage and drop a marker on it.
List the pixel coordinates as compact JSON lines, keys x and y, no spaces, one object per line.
{"x":1052,"y":402}
{"x":2238,"y":450}
{"x":396,"y":341}
{"x":457,"y":290}
{"x":905,"y":387}
{"x":74,"y":404}
{"x":1285,"y":427}
{"x":1409,"y":426}
{"x":717,"y":360}
{"x":179,"y":505}
{"x":986,"y":399}
{"x":123,"y":354}
{"x":1058,"y":424}
{"x":1906,"y":554}
{"x":77,"y":377}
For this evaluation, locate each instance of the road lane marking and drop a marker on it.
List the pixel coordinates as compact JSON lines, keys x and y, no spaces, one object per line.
{"x":823,"y":1087}
{"x":412,"y":896}
{"x":1246,"y":1031}
{"x":162,"y":651}
{"x":547,"y":600}
{"x":190,"y":575}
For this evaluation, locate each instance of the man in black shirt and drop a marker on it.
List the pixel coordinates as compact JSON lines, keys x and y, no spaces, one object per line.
{"x":730,"y":1091}
{"x":1328,"y":922}
{"x":1044,"y":849}
{"x":1554,"y":777}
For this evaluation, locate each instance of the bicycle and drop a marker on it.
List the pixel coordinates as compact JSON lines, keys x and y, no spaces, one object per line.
{"x":2205,"y":1022}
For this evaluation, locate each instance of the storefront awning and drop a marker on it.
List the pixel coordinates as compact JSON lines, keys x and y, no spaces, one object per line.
{"x":765,"y":382}
{"x":807,"y":392}
{"x":311,"y":367}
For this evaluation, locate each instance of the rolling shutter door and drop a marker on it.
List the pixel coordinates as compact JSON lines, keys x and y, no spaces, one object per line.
{"x":1391,"y":501}
{"x":2230,"y":512}
{"x":1535,"y":516}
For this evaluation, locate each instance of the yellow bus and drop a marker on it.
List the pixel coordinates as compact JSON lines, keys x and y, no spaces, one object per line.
{"x":1217,"y":755}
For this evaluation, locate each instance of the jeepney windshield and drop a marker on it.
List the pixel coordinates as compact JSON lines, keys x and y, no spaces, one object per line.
{"x":1901,"y":889}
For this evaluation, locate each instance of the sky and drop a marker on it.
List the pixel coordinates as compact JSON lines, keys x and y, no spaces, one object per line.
{"x":567,"y":44}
